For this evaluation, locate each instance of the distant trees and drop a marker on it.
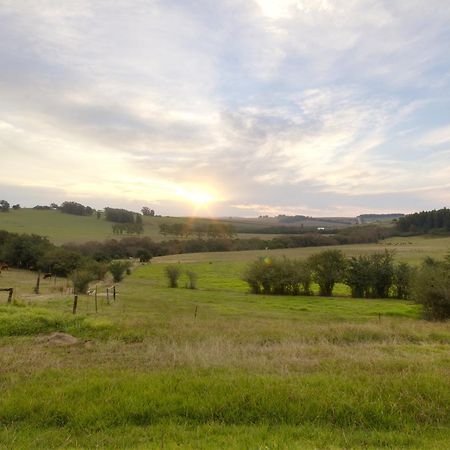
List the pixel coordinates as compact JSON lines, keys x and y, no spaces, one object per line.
{"x":16,"y":206}
{"x":4,"y":206}
{"x":146,"y":211}
{"x":74,"y":208}
{"x":425,"y":221}
{"x":210,"y":230}
{"x":119,"y":215}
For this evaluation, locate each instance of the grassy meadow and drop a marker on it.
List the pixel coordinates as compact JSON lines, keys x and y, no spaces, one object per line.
{"x":62,"y":228}
{"x":217,"y":367}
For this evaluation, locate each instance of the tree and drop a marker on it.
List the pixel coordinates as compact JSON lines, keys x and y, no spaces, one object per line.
{"x":431,"y":288}
{"x":359,"y":276}
{"x":119,"y":215}
{"x":15,"y":207}
{"x":383,"y":273}
{"x":4,"y":206}
{"x":74,"y":208}
{"x":402,"y":280}
{"x":146,"y":211}
{"x":328,"y":268}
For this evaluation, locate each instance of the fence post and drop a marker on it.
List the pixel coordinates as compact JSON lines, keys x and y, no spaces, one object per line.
{"x":107,"y":295}
{"x":10,"y":295}
{"x":96,"y":304}
{"x":75,"y":302}
{"x":38,"y":282}
{"x":114,"y":292}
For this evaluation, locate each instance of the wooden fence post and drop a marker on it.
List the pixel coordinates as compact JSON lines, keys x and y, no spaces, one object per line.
{"x":38,"y":282}
{"x":10,"y":295}
{"x":96,"y":304}
{"x":75,"y":302}
{"x":107,"y":295}
{"x":114,"y":292}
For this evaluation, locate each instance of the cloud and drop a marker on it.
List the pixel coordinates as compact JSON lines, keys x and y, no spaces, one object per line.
{"x":317,"y":101}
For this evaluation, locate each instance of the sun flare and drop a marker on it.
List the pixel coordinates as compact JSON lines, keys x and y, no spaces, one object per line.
{"x":198,"y":197}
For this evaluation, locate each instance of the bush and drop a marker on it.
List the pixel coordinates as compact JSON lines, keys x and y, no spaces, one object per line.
{"x":373,"y":275}
{"x":402,"y":280}
{"x":81,"y":279}
{"x":118,"y":270}
{"x":278,"y":277}
{"x":359,"y":276}
{"x":173,"y":273}
{"x":328,"y":268}
{"x":192,"y":279}
{"x":431,"y":288}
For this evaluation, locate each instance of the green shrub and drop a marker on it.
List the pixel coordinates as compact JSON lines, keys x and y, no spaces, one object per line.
{"x":192,"y":279}
{"x":81,"y":279}
{"x":328,"y":268}
{"x":173,"y":273}
{"x":118,"y":270}
{"x":402,"y":280}
{"x":431,"y":288}
{"x":278,"y":277}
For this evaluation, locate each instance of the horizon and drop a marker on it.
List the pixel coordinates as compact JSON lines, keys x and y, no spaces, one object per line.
{"x":236,"y":109}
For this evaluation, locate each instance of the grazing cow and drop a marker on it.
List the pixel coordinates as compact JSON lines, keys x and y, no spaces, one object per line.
{"x":47,"y":275}
{"x":3,"y":266}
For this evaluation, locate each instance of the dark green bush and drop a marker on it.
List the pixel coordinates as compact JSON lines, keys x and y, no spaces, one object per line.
{"x":328,"y":268}
{"x":118,"y":270}
{"x":431,"y":288}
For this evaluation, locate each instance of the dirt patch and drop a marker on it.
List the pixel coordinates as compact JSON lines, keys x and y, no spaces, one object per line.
{"x":59,"y":339}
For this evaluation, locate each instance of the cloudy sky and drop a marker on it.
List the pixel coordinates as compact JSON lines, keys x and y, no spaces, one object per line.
{"x":318,"y":107}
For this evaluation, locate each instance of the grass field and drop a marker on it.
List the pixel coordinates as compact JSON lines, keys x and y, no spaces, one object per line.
{"x":220,"y":368}
{"x":62,"y":228}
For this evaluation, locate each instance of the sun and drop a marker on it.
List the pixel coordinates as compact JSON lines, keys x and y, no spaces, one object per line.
{"x":198,"y":197}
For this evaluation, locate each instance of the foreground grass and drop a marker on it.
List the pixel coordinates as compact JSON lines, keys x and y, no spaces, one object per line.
{"x":220,"y":368}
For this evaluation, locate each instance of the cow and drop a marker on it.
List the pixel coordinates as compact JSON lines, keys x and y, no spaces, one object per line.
{"x":4,"y":266}
{"x":47,"y":275}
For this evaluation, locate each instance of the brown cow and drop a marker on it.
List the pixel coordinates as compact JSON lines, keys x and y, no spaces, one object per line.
{"x":47,"y":275}
{"x":4,"y":267}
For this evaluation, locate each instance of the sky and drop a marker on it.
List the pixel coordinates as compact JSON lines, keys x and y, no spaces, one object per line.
{"x":226,"y":107}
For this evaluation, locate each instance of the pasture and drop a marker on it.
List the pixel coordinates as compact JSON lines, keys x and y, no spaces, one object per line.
{"x":218,"y":367}
{"x":62,"y":228}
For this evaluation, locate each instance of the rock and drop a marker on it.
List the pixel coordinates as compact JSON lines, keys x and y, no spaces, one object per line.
{"x":59,"y":339}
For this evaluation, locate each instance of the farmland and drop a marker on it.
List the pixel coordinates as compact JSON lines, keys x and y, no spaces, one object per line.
{"x":218,"y":367}
{"x":61,"y":228}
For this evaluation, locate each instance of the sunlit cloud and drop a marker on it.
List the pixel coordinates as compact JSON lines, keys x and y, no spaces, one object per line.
{"x":295,"y":105}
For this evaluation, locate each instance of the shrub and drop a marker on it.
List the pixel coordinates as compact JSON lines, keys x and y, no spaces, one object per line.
{"x":359,"y":276}
{"x":431,"y":288}
{"x":118,"y":270}
{"x":173,"y":273}
{"x":81,"y":279}
{"x":279,"y":277}
{"x":192,"y":279}
{"x":328,"y":268}
{"x":402,"y":280}
{"x":383,"y":274}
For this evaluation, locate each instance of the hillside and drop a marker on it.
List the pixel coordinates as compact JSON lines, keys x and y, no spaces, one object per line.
{"x":61,"y":228}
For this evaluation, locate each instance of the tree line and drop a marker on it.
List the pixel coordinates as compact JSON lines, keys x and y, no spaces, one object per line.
{"x":425,"y":221}
{"x":368,"y":276}
{"x":210,"y":230}
{"x":371,"y":276}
